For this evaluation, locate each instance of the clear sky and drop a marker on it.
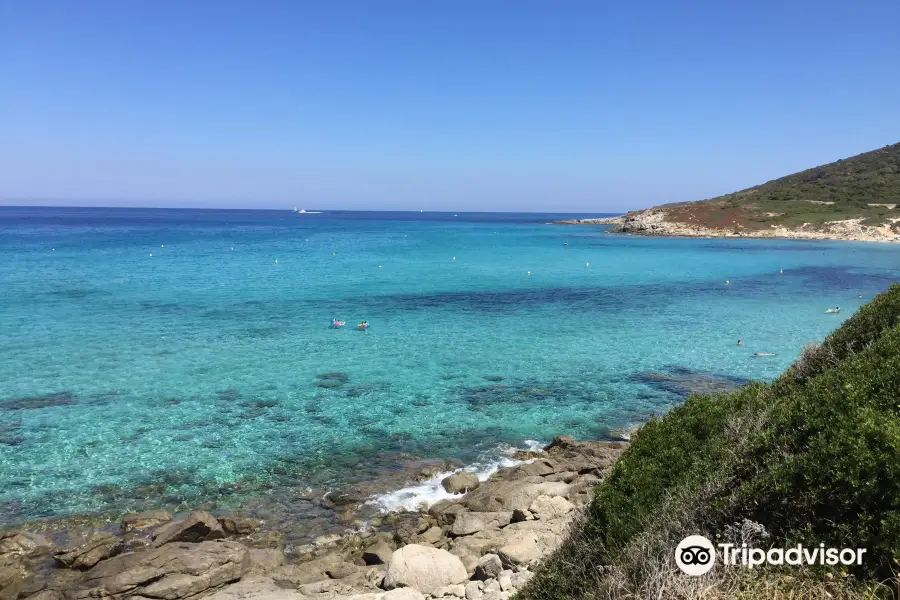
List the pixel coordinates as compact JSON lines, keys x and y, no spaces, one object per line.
{"x":456,"y":105}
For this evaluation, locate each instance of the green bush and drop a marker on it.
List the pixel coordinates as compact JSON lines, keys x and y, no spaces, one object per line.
{"x":814,"y":457}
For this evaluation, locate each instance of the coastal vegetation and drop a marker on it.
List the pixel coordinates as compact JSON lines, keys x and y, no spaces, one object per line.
{"x":812,"y":457}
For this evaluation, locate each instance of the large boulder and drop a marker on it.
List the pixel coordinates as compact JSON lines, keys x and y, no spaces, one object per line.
{"x":460,"y":482}
{"x":423,"y":568}
{"x":504,"y":495}
{"x":171,"y":572}
{"x":473,"y":522}
{"x":199,"y":526}
{"x":97,"y":547}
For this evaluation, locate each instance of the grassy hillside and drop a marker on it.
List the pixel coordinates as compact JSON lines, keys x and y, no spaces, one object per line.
{"x":812,"y":457}
{"x":840,"y":190}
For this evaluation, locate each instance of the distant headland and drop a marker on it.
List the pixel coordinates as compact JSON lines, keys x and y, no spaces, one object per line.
{"x":856,"y":198}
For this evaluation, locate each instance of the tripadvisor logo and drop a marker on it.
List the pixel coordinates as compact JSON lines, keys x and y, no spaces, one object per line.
{"x":696,"y":555}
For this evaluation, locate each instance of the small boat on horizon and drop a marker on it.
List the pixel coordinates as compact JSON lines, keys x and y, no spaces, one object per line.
{"x":303,"y":211}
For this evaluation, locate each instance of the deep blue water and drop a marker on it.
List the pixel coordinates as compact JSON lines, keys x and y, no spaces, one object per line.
{"x":164,"y":356}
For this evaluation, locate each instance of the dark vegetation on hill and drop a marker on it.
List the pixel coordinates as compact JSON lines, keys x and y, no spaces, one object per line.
{"x":844,"y":189}
{"x":812,"y":457}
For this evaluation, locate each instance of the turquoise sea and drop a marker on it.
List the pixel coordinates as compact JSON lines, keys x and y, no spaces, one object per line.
{"x":179,"y":357}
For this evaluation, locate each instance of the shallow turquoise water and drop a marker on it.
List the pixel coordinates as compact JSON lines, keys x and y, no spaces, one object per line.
{"x":191,"y":374}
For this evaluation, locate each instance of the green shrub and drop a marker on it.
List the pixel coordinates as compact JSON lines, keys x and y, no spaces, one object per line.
{"x":813,"y":457}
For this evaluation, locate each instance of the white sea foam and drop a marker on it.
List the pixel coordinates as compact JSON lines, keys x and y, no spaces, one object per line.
{"x":421,"y":495}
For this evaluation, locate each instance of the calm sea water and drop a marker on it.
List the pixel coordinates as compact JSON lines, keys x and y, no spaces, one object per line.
{"x":153,"y":356}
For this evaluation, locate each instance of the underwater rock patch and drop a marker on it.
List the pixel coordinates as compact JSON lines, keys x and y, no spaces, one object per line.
{"x":229,"y":394}
{"x":330,"y":383}
{"x":494,"y":378}
{"x":64,"y":398}
{"x":333,"y":375}
{"x":684,"y":381}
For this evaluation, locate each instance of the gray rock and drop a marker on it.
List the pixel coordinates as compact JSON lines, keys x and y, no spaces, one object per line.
{"x":521,"y":578}
{"x":324,"y":541}
{"x":24,"y":543}
{"x":505,"y":582}
{"x":377,"y":554}
{"x":171,"y":572}
{"x":265,"y":559}
{"x":470,"y":562}
{"x":473,"y":522}
{"x":199,"y":526}
{"x":404,"y":594}
{"x":142,"y":520}
{"x":12,"y":570}
{"x":46,"y":595}
{"x":473,"y":590}
{"x":522,"y":550}
{"x":255,"y":588}
{"x":341,"y":570}
{"x":238,"y":526}
{"x":460,"y":482}
{"x":491,"y":586}
{"x":547,"y":507}
{"x":489,"y":567}
{"x":503,"y":495}
{"x":98,"y":546}
{"x":432,"y":536}
{"x":457,"y":591}
{"x":423,"y":568}
{"x":306,"y":573}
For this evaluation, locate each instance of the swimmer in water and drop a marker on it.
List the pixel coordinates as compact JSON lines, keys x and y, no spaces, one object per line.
{"x":740,"y":343}
{"x":763,"y":354}
{"x":364,"y":325}
{"x":337,"y":323}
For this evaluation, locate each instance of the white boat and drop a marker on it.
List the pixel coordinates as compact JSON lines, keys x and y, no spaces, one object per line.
{"x":303,"y":211}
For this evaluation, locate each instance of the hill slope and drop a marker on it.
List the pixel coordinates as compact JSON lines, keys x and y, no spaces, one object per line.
{"x":813,"y":457}
{"x":854,"y":198}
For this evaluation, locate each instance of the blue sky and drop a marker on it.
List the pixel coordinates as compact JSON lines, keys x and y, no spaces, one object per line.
{"x":463,"y":105}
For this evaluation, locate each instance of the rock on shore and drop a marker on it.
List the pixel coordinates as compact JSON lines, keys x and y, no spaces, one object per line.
{"x":658,"y":221}
{"x":479,"y":546}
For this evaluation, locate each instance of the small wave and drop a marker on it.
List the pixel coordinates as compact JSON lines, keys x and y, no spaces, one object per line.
{"x":422,"y":495}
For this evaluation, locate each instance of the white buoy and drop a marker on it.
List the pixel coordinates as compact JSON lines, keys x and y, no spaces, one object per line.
{"x":54,"y":249}
{"x":587,"y":264}
{"x":162,"y":246}
{"x":454,"y":258}
{"x":333,"y":253}
{"x":781,"y":270}
{"x":151,"y":254}
{"x":379,"y":266}
{"x":727,"y":282}
{"x":529,"y":272}
{"x":276,"y":261}
{"x":232,"y":248}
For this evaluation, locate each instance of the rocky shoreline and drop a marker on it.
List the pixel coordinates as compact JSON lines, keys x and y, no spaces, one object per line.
{"x":655,"y":222}
{"x":480,"y":544}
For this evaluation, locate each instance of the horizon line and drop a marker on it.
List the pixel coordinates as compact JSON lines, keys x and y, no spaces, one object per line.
{"x":320,"y":210}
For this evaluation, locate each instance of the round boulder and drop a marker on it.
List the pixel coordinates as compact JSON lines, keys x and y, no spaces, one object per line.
{"x":423,"y":568}
{"x":462,"y":481}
